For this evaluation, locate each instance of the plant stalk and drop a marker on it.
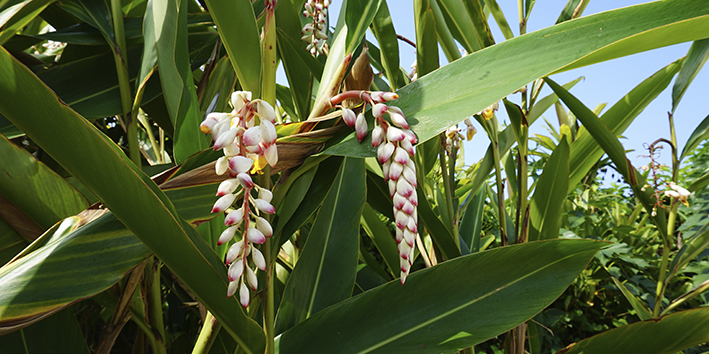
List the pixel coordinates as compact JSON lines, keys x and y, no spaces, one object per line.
{"x":448,"y":190}
{"x":207,"y":335}
{"x":661,"y":279}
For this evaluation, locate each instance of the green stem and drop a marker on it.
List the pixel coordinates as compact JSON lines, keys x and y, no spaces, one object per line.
{"x":522,"y":22}
{"x":146,"y":125}
{"x":522,"y":186}
{"x":154,"y":297}
{"x":270,"y":257}
{"x":268,"y":82}
{"x":119,"y":51}
{"x":447,"y":187}
{"x":661,"y":280}
{"x":493,"y":131}
{"x":207,"y":335}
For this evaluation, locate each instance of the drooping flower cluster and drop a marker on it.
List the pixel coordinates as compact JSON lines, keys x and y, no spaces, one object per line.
{"x":678,"y":192}
{"x":394,"y":142}
{"x":315,"y":33}
{"x":247,"y":148}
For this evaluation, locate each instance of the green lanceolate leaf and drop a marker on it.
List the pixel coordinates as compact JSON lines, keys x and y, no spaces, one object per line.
{"x":689,"y":251}
{"x":126,"y":191}
{"x":383,"y":30}
{"x":547,"y":203}
{"x":34,"y":188}
{"x":455,"y":92}
{"x":573,"y":9}
{"x":325,"y":272}
{"x":60,"y":330}
{"x":426,"y":42}
{"x":664,"y":335}
{"x":440,"y":234}
{"x":638,"y":306}
{"x":447,"y":307}
{"x":170,"y":34}
{"x":499,"y":17}
{"x":700,"y":133}
{"x":696,"y":57}
{"x":13,"y":18}
{"x":381,"y":237}
{"x":237,"y":27}
{"x":471,"y":223}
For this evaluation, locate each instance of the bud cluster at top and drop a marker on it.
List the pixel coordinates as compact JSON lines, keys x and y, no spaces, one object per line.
{"x":247,"y":149}
{"x":394,"y":142}
{"x":315,"y":33}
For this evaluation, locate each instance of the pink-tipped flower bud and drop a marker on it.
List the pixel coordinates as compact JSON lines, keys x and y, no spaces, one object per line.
{"x":395,"y":170}
{"x":410,"y":176}
{"x":385,"y":170}
{"x":410,"y":237}
{"x":251,"y":278}
{"x":361,"y":127}
{"x":240,"y":164}
{"x":234,"y":251}
{"x":226,"y":236}
{"x":258,"y":258}
{"x":231,"y":290}
{"x":400,"y":219}
{"x":228,"y":186}
{"x":236,"y":269}
{"x":211,"y":120}
{"x":349,"y":117}
{"x":399,"y":201}
{"x":225,"y":138}
{"x":404,"y":188}
{"x":379,"y":109}
{"x":395,"y":134}
{"x":223,"y":203}
{"x":377,"y":136}
{"x":252,"y":136}
{"x":263,"y":226}
{"x":264,"y":206}
{"x":268,"y":132}
{"x":401,"y":156}
{"x":385,"y":151}
{"x":410,"y":136}
{"x":255,"y":236}
{"x":406,"y":145}
{"x":397,"y":117}
{"x":244,"y":296}
{"x":271,"y":154}
{"x":234,"y":217}
{"x":239,"y":99}
{"x":265,"y":111}
{"x":245,"y":180}
{"x":265,"y":194}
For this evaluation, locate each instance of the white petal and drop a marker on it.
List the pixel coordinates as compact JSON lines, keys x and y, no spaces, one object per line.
{"x":252,"y":136}
{"x":240,"y":164}
{"x":265,"y":194}
{"x":236,"y":269}
{"x":227,"y":186}
{"x":271,"y":154}
{"x":268,"y":131}
{"x":239,"y":98}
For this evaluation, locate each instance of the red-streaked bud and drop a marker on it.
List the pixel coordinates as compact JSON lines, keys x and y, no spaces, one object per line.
{"x":271,"y":154}
{"x":406,"y":145}
{"x":395,"y":170}
{"x":263,"y":226}
{"x":265,"y":111}
{"x":225,"y":138}
{"x":244,"y":295}
{"x":411,"y":225}
{"x":397,"y":118}
{"x":390,"y":96}
{"x":228,"y":186}
{"x":404,"y":188}
{"x":231,"y":290}
{"x":401,"y":156}
{"x":240,"y":164}
{"x":377,"y":136}
{"x":408,"y":208}
{"x":385,"y":170}
{"x":405,"y":266}
{"x":226,"y":236}
{"x":258,"y":258}
{"x":236,"y":269}
{"x":251,"y":278}
{"x":211,"y":120}
{"x":399,"y":235}
{"x":239,"y":99}
{"x":349,"y":117}
{"x":264,"y":206}
{"x":392,"y":187}
{"x":265,"y":194}
{"x":404,"y":250}
{"x":385,"y":151}
{"x":401,"y":219}
{"x":234,"y":251}
{"x":399,"y":201}
{"x":252,"y":136}
{"x":223,"y":203}
{"x":245,"y":180}
{"x":268,"y":132}
{"x":395,"y":134}
{"x":361,"y":127}
{"x":234,"y":217}
{"x":410,"y":136}
{"x":410,"y":237}
{"x":379,"y":109}
{"x":410,"y":176}
{"x":255,"y":236}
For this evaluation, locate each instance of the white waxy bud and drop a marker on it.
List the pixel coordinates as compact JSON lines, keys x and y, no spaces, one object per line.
{"x":385,"y":151}
{"x":226,"y":236}
{"x":411,"y":225}
{"x":255,"y":149}
{"x":240,"y":164}
{"x":258,"y":258}
{"x":231,"y":290}
{"x":236,"y":269}
{"x":271,"y":154}
{"x":251,"y":278}
{"x":255,"y":236}
{"x":404,"y":250}
{"x":231,"y":149}
{"x":410,"y":176}
{"x":406,"y":145}
{"x":228,"y":186}
{"x":377,"y":136}
{"x":209,"y":122}
{"x":265,"y":194}
{"x":225,"y":138}
{"x":399,"y":235}
{"x":264,"y":206}
{"x":265,"y":111}
{"x":349,"y":117}
{"x":239,"y":99}
{"x":395,"y":170}
{"x":263,"y":226}
{"x":244,"y":295}
{"x":308,"y":8}
{"x":361,"y":127}
{"x":410,"y":237}
{"x":223,"y":203}
{"x":379,"y":109}
{"x":245,"y":180}
{"x":234,"y":217}
{"x":399,"y":201}
{"x":308,"y":37}
{"x":268,"y":132}
{"x":397,"y":118}
{"x":408,"y":208}
{"x":395,"y":134}
{"x":404,"y":188}
{"x":401,"y":156}
{"x":401,"y":219}
{"x":410,"y":136}
{"x":392,"y":187}
{"x":234,"y":251}
{"x":252,"y":136}
{"x":405,"y":266}
{"x":385,"y":170}
{"x":390,"y":96}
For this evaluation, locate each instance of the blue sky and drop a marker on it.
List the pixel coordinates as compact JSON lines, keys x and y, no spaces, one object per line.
{"x":604,"y":82}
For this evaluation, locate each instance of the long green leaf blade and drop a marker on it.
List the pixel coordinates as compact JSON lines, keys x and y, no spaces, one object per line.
{"x":547,"y":203}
